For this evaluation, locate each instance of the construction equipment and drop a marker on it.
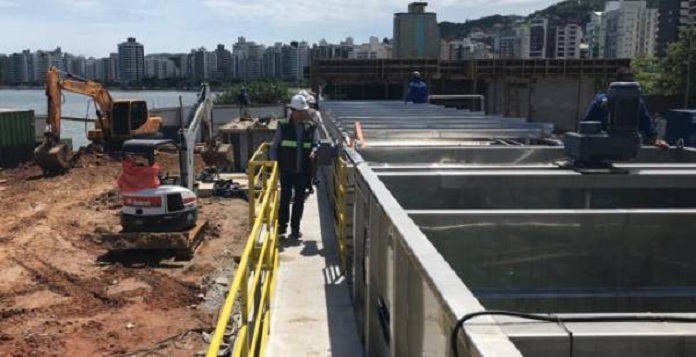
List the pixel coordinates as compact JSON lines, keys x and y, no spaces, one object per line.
{"x":214,"y":153}
{"x":167,"y":208}
{"x":117,"y":121}
{"x":594,"y":147}
{"x":160,"y":216}
{"x":166,"y":216}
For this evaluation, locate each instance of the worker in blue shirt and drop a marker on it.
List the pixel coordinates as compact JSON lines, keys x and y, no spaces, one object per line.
{"x":417,"y":90}
{"x":598,"y":111}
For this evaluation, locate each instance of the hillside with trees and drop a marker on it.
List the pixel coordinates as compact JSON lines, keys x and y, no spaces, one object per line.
{"x":576,"y":11}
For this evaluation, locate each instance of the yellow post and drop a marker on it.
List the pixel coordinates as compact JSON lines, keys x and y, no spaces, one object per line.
{"x":252,"y":190}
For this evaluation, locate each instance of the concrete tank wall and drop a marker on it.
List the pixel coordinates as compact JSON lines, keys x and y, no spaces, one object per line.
{"x":561,"y":101}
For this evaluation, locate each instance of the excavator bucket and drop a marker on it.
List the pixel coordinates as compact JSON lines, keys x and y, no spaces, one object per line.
{"x":53,"y":159}
{"x":219,"y":156}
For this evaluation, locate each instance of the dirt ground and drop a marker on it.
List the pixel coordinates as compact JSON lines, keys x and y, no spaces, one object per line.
{"x":61,"y":294}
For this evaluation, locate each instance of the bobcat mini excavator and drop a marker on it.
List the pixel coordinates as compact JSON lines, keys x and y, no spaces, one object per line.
{"x":117,"y":121}
{"x":166,"y":216}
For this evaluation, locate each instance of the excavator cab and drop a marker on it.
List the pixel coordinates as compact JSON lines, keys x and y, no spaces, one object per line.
{"x":129,"y":119}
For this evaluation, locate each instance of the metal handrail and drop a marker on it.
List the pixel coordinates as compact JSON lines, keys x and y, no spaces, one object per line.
{"x":258,"y":265}
{"x":341,"y":189}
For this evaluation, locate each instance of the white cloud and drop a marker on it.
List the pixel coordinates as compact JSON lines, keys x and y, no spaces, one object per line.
{"x":82,"y":4}
{"x":179,"y":25}
{"x":8,"y":4}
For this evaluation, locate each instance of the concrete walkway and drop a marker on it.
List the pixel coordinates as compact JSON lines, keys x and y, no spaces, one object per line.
{"x":312,"y":314}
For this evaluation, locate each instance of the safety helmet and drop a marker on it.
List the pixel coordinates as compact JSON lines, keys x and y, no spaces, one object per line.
{"x":416,"y":74}
{"x":299,"y":102}
{"x":303,"y":93}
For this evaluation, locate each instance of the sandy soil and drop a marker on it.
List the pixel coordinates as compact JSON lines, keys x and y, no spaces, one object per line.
{"x":61,"y":294}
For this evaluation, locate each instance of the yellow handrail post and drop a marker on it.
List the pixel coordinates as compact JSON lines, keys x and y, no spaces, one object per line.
{"x":251,"y":184}
{"x":254,"y":281}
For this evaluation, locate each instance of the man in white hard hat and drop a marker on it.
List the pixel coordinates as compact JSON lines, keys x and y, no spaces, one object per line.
{"x":315,"y":116}
{"x":294,"y":147}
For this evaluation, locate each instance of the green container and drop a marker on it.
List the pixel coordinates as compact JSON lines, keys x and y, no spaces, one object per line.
{"x":17,"y":128}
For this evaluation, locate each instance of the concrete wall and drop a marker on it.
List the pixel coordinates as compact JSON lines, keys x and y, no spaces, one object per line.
{"x":222,"y":114}
{"x":561,"y":101}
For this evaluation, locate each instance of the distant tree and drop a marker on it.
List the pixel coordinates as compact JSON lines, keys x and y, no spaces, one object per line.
{"x":648,"y":73}
{"x":260,"y":92}
{"x":675,"y":65}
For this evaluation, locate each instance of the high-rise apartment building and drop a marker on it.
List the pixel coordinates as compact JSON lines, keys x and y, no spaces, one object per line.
{"x":568,"y":40}
{"x":672,"y":16}
{"x":273,"y":61}
{"x":594,"y":35}
{"x":112,"y":73}
{"x":630,"y":29}
{"x":131,"y":61}
{"x":203,"y":64}
{"x":538,"y":30}
{"x":416,"y":33}
{"x":223,"y":58}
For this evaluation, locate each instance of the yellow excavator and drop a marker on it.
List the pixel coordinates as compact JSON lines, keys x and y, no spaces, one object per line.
{"x":117,"y":120}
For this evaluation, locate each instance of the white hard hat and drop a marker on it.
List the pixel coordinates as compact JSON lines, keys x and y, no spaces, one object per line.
{"x":299,"y":102}
{"x":303,"y":93}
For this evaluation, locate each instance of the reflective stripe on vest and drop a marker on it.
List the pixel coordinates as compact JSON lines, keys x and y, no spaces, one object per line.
{"x":293,"y":144}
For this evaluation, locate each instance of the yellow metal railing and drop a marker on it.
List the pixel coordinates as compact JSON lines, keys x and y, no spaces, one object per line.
{"x":254,"y":282}
{"x":341,"y":190}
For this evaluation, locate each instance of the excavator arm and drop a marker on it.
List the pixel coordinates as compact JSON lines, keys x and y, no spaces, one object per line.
{"x":52,"y":155}
{"x":214,"y":154}
{"x":102,"y":98}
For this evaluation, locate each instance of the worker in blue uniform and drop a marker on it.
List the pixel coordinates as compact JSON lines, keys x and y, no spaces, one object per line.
{"x":244,"y":101}
{"x":598,"y":111}
{"x":417,"y":90}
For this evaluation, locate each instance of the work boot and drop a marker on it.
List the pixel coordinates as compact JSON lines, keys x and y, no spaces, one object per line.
{"x":282,"y":230}
{"x":296,"y":234}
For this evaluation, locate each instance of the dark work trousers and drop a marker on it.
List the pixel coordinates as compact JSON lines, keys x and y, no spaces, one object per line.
{"x":289,"y":182}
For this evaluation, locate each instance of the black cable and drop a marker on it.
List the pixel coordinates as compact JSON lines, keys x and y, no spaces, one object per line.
{"x":555,"y":318}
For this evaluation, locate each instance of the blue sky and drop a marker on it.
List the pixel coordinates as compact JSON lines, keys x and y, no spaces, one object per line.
{"x":94,"y":27}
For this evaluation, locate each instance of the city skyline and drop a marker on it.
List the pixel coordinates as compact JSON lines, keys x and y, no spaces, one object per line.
{"x":92,"y":28}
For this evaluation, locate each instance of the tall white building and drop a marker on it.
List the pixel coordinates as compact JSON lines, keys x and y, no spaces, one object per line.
{"x":568,"y":40}
{"x":630,"y":29}
{"x":464,"y":49}
{"x":254,"y":62}
{"x":247,"y":59}
{"x":373,"y":49}
{"x":273,"y":61}
{"x":43,"y":60}
{"x":159,"y":68}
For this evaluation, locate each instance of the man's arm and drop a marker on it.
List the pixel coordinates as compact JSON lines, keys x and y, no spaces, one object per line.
{"x":646,"y":124}
{"x":315,"y":143}
{"x":273,"y":152}
{"x":593,"y":112}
